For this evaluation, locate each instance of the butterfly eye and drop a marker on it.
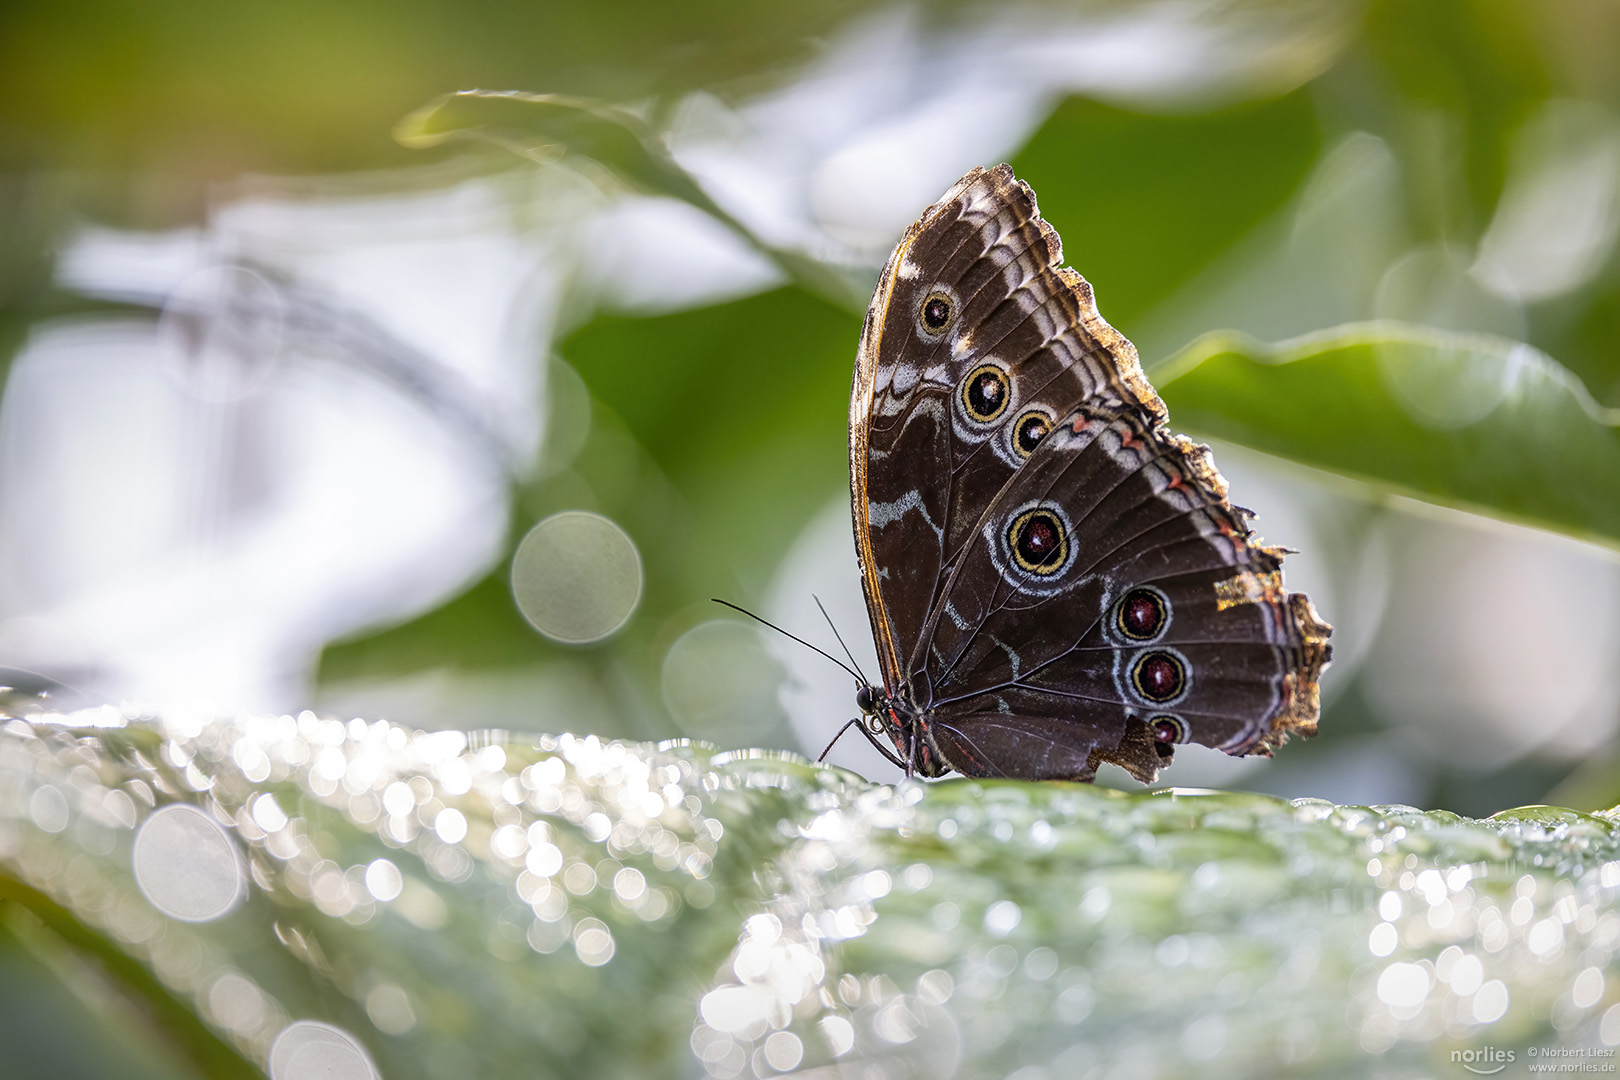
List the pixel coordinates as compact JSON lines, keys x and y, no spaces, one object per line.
{"x":866,"y":699}
{"x":985,"y":392}
{"x":1142,"y":614}
{"x":1028,"y":431}
{"x":1039,"y":542}
{"x":936,"y":312}
{"x":1159,"y":676}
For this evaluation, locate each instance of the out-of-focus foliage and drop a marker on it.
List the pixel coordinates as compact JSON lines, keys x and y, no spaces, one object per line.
{"x":1146,"y":202}
{"x":201,"y":92}
{"x":1445,"y":417}
{"x":548,"y":127}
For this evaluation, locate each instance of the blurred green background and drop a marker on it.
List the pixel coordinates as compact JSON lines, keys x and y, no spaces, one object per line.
{"x":462,"y":341}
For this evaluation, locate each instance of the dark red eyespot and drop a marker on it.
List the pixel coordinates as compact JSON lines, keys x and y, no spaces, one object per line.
{"x":937,"y":310}
{"x":1039,"y":543}
{"x":1168,"y":730}
{"x":985,"y":393}
{"x":1029,"y":431}
{"x":1158,"y":676}
{"x":1142,"y":614}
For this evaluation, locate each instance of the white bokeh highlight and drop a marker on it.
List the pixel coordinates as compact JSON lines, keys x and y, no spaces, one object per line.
{"x":1559,"y":214}
{"x":310,"y":1050}
{"x":577,"y":577}
{"x":1498,"y":643}
{"x":187,"y":865}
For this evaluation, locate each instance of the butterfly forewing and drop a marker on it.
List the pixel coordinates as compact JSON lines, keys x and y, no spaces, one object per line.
{"x":1054,"y":580}
{"x":969,"y":355}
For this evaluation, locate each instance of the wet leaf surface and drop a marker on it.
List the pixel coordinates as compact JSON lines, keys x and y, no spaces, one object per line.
{"x":487,"y":904}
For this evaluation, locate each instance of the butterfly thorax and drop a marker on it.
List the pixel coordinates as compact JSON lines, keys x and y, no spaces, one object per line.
{"x":898,"y":718}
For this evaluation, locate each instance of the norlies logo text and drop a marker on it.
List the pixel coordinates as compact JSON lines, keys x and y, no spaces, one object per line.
{"x":1486,"y":1061}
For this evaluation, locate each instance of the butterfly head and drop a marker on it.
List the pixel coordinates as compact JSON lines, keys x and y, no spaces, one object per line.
{"x":892,"y":716}
{"x":883,"y":713}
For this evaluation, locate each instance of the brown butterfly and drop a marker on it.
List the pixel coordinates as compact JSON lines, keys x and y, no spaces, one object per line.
{"x":1054,"y":579}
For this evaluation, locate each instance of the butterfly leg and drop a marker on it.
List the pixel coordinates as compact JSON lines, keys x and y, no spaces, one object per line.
{"x":885,"y":751}
{"x":823,"y":755}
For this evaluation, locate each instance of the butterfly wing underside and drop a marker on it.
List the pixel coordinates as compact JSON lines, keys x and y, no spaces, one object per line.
{"x":1053,"y":579}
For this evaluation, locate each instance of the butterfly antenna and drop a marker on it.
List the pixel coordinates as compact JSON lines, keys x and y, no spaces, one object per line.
{"x":852,"y":673}
{"x":840,"y":637}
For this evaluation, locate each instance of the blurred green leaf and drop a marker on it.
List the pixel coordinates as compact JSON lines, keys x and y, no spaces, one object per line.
{"x":480,"y":628}
{"x":121,"y":991}
{"x":1144,"y":202}
{"x":193,"y":90}
{"x":1581,"y":330}
{"x":1479,"y":423}
{"x":741,"y":405}
{"x":545,"y":127}
{"x":1463,"y":76}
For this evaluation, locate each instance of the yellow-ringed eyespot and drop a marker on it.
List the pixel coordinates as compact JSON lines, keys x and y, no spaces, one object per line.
{"x":1039,"y":541}
{"x":1168,"y":730}
{"x":1028,"y":431}
{"x":1159,"y":676}
{"x":1142,"y":614}
{"x":985,"y":393}
{"x":936,"y":313}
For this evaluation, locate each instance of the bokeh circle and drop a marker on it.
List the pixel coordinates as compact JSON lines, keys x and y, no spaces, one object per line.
{"x":576,"y":577}
{"x":187,"y":865}
{"x":311,"y":1050}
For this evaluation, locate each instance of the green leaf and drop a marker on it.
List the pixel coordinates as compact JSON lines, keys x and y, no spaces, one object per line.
{"x":543,"y":127}
{"x":963,"y":926}
{"x":1475,"y":422}
{"x":546,"y":127}
{"x":728,"y":401}
{"x":168,"y":1024}
{"x":1119,"y":186}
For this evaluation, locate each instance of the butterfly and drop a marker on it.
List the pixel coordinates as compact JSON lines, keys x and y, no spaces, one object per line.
{"x":1054,"y":579}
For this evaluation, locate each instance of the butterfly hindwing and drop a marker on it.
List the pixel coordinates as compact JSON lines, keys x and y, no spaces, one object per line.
{"x":1149,"y":602}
